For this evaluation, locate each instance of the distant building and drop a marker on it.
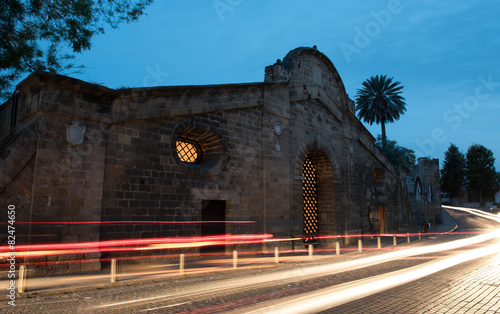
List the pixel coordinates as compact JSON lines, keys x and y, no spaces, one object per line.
{"x":425,"y":191}
{"x":471,"y":199}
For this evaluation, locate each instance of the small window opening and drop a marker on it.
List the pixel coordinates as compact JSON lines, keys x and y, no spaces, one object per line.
{"x":188,"y":151}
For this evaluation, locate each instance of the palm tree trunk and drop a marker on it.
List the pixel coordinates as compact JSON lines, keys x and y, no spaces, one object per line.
{"x":384,"y":137}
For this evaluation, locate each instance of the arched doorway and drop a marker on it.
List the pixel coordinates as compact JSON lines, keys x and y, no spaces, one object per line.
{"x":377,"y":215}
{"x":318,"y":211}
{"x":316,"y":153}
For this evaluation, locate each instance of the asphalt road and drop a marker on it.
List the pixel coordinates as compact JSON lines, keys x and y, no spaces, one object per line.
{"x":458,"y":272}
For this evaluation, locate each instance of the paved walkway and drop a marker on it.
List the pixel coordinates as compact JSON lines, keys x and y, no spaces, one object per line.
{"x":454,"y":290}
{"x":129,"y":275}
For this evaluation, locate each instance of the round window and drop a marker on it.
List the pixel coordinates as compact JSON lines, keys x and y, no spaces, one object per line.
{"x":197,"y":148}
{"x":188,"y":151}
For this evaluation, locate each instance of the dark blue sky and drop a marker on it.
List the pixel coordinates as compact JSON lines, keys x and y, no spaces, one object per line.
{"x":445,"y":53}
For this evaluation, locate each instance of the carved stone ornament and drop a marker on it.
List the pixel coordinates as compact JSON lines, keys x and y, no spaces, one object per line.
{"x":75,"y":133}
{"x":278,"y":146}
{"x":277,"y":128}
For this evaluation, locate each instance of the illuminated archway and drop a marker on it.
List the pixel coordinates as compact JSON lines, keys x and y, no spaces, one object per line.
{"x":320,"y":153}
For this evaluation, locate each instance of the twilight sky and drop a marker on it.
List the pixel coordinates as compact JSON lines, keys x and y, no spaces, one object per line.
{"x":445,"y":53}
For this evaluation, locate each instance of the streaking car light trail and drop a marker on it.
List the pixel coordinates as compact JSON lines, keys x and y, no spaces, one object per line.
{"x":337,"y":295}
{"x":133,"y":222}
{"x":287,"y":276}
{"x":131,"y":245}
{"x":476,"y":212}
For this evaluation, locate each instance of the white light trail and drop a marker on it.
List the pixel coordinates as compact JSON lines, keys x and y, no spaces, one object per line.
{"x":337,"y":295}
{"x":164,"y":307}
{"x":476,"y":212}
{"x":327,"y":298}
{"x":298,"y":274}
{"x":286,"y":276}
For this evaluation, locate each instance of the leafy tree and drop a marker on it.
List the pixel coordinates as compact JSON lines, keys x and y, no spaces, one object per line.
{"x":453,"y":172}
{"x":480,"y":171}
{"x":398,"y":155}
{"x":43,"y":34}
{"x":497,"y":187}
{"x":380,"y":101}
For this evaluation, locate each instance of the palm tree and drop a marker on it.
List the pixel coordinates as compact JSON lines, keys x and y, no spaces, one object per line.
{"x":380,"y":101}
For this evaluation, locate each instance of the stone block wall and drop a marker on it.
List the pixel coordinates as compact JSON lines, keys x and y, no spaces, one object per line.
{"x":82,"y":153}
{"x":17,"y":165}
{"x":425,"y":191}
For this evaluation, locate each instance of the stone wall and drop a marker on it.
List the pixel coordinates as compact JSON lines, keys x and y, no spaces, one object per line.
{"x":101,"y":164}
{"x":425,"y":191}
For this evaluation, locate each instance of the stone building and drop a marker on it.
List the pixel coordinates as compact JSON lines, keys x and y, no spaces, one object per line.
{"x":425,"y":192}
{"x":287,"y":154}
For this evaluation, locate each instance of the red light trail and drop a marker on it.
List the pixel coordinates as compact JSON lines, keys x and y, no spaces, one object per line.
{"x":134,"y":222}
{"x":131,"y":245}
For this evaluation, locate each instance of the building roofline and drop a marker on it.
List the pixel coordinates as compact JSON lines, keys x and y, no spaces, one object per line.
{"x":39,"y":77}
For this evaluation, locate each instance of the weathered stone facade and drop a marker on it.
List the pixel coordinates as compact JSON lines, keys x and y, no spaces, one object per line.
{"x":425,"y":192}
{"x":253,"y":140}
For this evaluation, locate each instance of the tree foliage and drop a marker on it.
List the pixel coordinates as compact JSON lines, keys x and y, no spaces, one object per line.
{"x":480,"y":170}
{"x":380,"y":101}
{"x":453,"y":172}
{"x":44,"y":34}
{"x":400,"y":156}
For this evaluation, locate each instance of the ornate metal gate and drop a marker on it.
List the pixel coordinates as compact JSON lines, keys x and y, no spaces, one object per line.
{"x":310,"y":194}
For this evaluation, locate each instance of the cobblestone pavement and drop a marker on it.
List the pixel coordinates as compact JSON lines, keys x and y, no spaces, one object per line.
{"x":471,"y":287}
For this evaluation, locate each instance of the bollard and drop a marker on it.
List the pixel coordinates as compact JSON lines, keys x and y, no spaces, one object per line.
{"x":182,"y":263}
{"x":113,"y":270}
{"x":408,"y":237}
{"x":235,"y":259}
{"x":395,"y":240}
{"x":360,"y":245}
{"x":337,"y":247}
{"x":419,"y":236}
{"x":379,"y":242}
{"x":310,"y":251}
{"x":22,"y":279}
{"x":276,"y":255}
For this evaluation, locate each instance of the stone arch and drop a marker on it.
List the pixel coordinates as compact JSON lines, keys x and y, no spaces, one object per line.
{"x":313,"y":142}
{"x":316,"y":149}
{"x":293,"y":55}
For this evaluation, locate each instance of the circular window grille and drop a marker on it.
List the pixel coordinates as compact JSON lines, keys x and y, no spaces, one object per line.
{"x":198,"y":148}
{"x":188,"y":151}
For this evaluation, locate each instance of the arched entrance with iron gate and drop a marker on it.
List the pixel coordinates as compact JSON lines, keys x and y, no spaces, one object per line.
{"x":315,"y":186}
